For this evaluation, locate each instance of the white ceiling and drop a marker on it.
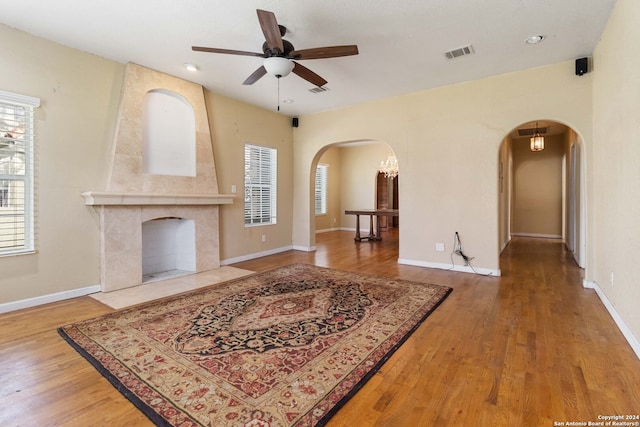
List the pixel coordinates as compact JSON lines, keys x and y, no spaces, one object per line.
{"x":401,"y":43}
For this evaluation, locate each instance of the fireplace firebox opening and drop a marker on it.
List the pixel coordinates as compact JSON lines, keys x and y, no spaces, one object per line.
{"x":168,"y":248}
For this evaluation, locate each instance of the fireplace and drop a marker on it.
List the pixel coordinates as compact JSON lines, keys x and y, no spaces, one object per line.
{"x":162,"y":170}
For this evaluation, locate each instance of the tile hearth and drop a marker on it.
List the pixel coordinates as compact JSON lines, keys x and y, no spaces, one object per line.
{"x":154,"y":290}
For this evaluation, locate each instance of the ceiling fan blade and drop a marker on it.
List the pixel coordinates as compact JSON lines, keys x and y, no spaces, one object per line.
{"x":325,"y":52}
{"x":308,"y":75}
{"x":270,"y":29}
{"x":255,"y":76}
{"x":228,"y":51}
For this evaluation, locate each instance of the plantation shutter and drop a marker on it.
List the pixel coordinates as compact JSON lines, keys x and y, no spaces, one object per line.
{"x":321,"y":189}
{"x":260,"y":169}
{"x":16,"y":173}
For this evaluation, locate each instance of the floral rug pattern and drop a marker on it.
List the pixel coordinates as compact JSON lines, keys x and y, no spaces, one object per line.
{"x":282,"y":348}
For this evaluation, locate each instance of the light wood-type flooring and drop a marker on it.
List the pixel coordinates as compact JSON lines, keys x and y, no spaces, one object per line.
{"x":529,"y":348}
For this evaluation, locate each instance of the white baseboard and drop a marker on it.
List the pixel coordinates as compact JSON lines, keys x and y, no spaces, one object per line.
{"x":631,"y":339}
{"x":255,"y":255}
{"x":328,"y":230}
{"x":460,"y":268}
{"x":304,"y":248}
{"x":45,"y":299}
{"x":353,"y":230}
{"x":541,"y":236}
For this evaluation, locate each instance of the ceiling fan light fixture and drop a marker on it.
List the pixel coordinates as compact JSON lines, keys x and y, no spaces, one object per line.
{"x":278,"y":66}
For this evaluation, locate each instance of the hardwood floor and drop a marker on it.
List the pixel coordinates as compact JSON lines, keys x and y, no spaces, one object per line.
{"x":530,"y":348}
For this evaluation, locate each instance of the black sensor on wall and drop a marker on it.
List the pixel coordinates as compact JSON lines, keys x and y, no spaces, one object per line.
{"x":294,"y":122}
{"x":582,"y":66}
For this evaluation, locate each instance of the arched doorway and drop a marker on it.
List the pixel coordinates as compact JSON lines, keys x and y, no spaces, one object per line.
{"x":353,"y":182}
{"x":542,"y":192}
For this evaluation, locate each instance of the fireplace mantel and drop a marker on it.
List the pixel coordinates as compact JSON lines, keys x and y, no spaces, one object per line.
{"x":105,"y":198}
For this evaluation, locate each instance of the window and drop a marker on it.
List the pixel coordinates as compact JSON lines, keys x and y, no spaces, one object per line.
{"x":260,"y":170}
{"x":16,"y":173}
{"x":321,"y":189}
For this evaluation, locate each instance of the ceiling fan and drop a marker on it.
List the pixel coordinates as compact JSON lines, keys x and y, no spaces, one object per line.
{"x":280,"y":54}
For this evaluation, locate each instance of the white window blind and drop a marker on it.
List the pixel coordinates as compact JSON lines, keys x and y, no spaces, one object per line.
{"x":321,"y":189}
{"x":16,"y":173}
{"x":260,"y":170}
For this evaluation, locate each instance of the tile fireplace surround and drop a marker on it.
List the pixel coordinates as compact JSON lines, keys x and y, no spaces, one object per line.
{"x":132,"y":197}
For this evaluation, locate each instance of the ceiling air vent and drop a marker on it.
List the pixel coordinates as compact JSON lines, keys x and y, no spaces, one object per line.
{"x":461,"y":51}
{"x":318,"y":89}
{"x":531,"y":131}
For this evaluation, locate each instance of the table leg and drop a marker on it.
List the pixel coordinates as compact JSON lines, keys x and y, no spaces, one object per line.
{"x":372,"y":236}
{"x":357,"y":239}
{"x":378,"y":236}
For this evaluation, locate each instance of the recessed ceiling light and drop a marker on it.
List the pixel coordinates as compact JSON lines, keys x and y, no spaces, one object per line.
{"x":288,"y":101}
{"x":535,"y":39}
{"x":191,"y":67}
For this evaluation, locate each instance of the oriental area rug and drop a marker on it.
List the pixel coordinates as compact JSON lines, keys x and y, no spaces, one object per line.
{"x":285,"y":347}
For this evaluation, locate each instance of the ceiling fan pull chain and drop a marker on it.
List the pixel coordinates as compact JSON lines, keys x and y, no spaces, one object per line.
{"x":278,"y":93}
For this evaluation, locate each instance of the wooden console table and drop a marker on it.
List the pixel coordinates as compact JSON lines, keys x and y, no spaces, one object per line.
{"x":371,"y":212}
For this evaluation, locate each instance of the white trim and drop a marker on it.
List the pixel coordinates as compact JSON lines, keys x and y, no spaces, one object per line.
{"x":542,"y":236}
{"x":304,"y":248}
{"x":16,"y":98}
{"x":45,"y":299}
{"x":631,"y":339}
{"x":328,"y":230}
{"x":460,"y":268}
{"x":353,"y":229}
{"x":255,"y":255}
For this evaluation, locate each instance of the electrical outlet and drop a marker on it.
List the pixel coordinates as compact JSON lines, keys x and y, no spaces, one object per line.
{"x":611,"y":279}
{"x":233,"y":189}
{"x":264,"y":237}
{"x":439,"y":247}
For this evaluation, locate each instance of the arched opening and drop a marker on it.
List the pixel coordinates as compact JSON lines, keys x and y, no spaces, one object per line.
{"x":542,"y":192}
{"x":168,"y":134}
{"x":353,"y":182}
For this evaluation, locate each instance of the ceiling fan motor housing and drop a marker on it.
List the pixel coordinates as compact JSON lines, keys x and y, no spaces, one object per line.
{"x":288,"y":48}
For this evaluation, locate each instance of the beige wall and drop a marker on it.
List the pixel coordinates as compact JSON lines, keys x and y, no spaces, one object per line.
{"x":614,"y":229}
{"x":359,"y":173}
{"x":538,"y":188}
{"x":447,"y":142}
{"x":79,"y":96}
{"x":234,"y":123}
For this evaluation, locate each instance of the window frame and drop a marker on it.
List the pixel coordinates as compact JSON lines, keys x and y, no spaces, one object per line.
{"x":260,"y":185}
{"x":23,"y":216}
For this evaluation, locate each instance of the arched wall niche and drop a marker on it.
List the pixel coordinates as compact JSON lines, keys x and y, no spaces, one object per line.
{"x":168,"y":134}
